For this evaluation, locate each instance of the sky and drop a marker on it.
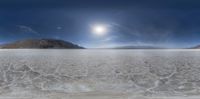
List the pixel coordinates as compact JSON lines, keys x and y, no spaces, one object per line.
{"x":162,"y":23}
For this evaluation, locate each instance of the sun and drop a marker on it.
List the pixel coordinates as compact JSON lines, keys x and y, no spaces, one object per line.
{"x":99,"y":29}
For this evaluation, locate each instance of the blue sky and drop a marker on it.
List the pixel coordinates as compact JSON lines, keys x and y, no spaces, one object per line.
{"x":165,"y":23}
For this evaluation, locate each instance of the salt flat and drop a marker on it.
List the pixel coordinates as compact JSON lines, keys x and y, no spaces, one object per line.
{"x":99,"y":74}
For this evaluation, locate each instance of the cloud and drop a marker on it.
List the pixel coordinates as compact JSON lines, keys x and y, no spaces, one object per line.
{"x":125,"y":29}
{"x":59,"y":28}
{"x":26,"y":29}
{"x":109,"y":38}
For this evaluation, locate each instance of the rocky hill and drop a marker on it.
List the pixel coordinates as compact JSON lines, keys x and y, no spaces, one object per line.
{"x":195,"y":47}
{"x":40,"y":44}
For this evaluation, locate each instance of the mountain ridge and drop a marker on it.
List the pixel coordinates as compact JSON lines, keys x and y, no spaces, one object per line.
{"x":46,"y":43}
{"x":195,"y":47}
{"x":138,"y":47}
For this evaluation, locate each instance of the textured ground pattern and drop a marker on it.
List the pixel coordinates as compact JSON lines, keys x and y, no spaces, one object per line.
{"x":96,"y":73}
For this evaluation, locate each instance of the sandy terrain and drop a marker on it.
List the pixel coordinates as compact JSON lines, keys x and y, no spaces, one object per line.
{"x":99,"y":74}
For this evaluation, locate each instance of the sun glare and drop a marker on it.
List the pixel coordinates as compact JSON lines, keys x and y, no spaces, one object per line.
{"x":99,"y":30}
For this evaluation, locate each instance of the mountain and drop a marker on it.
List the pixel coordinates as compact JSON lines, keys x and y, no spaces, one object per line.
{"x":40,"y":44}
{"x":195,"y":47}
{"x":138,"y":47}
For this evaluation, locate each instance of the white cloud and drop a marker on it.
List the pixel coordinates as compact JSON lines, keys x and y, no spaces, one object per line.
{"x":109,"y":38}
{"x":125,"y":29}
{"x":59,"y":28}
{"x":27,"y":29}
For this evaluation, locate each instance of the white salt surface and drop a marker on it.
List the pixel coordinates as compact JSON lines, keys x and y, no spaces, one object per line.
{"x":99,"y":74}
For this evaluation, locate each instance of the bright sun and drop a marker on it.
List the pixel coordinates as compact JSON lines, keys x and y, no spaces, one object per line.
{"x":99,"y":30}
